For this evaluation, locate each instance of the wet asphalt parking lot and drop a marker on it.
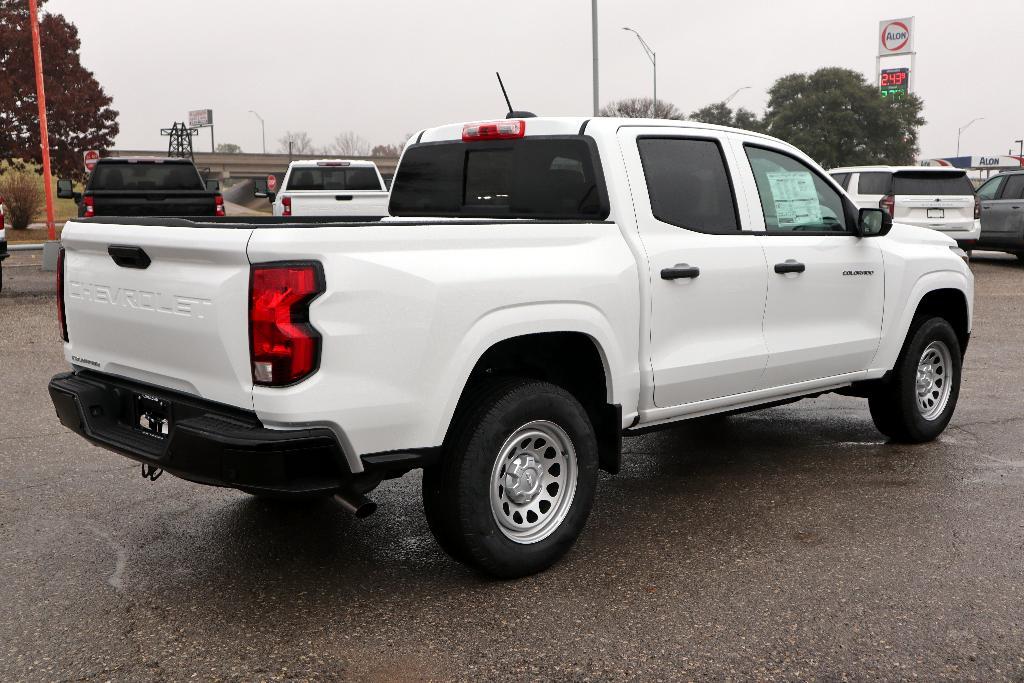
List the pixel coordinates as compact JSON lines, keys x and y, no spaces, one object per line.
{"x":792,"y":543}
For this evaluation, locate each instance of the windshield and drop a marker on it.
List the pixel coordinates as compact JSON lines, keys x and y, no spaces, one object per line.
{"x":145,"y":175}
{"x":541,"y":177}
{"x":932,"y":184}
{"x":333,"y":178}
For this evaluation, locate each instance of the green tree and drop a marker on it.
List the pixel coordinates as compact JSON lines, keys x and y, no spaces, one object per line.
{"x":839,"y":119}
{"x":229,"y":148}
{"x":720,"y":114}
{"x":78,"y":111}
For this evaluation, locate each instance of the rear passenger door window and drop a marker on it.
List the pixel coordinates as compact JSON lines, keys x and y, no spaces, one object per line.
{"x":1014,"y":187}
{"x":794,"y":197}
{"x":842,"y":178}
{"x":688,"y":183}
{"x":874,"y":183}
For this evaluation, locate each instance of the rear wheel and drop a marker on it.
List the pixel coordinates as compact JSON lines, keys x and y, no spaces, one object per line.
{"x":517,"y":479}
{"x":918,"y":400}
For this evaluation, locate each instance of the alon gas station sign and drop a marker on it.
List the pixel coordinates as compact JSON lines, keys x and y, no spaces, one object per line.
{"x":896,"y":40}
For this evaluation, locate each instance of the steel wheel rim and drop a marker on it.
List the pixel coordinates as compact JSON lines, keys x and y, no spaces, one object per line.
{"x":934,"y":380}
{"x":533,"y":482}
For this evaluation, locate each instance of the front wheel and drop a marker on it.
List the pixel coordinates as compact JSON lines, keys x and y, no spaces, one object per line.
{"x":917,"y":402}
{"x":517,"y":479}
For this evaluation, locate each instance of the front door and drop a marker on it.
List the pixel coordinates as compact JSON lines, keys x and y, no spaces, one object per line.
{"x":707,"y":274}
{"x":823,"y":314}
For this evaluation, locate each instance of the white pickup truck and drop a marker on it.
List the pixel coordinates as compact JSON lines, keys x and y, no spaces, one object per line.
{"x":329,"y":187}
{"x":547,"y":286}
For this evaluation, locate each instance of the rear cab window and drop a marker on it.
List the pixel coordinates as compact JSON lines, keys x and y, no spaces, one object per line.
{"x":930,"y":183}
{"x":552,"y":177}
{"x":332,"y":179}
{"x":145,"y":175}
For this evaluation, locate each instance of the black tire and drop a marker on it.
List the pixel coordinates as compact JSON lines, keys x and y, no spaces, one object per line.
{"x":456,"y":493}
{"x":894,"y":403}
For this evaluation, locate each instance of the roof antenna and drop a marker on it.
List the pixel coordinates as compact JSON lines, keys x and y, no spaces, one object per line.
{"x":512,"y":113}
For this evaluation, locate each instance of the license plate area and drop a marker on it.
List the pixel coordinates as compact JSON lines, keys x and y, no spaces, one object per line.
{"x":151,"y":416}
{"x":936,"y":213}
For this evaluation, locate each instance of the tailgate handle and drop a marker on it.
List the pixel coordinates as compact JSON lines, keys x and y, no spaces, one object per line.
{"x":343,"y":197}
{"x":128,"y":256}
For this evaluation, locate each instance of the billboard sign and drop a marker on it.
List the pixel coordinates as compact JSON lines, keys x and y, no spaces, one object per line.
{"x":896,"y":37}
{"x":200,"y":117}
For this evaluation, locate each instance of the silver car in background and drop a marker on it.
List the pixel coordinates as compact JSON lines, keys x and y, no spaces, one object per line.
{"x":1002,"y":213}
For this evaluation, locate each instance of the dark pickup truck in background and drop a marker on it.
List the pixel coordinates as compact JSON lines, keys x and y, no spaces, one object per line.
{"x":145,"y":186}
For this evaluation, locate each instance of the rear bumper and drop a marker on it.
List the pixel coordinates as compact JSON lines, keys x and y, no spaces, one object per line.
{"x":207,"y":443}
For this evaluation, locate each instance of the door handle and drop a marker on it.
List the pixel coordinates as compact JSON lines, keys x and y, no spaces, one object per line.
{"x":343,"y":197}
{"x":680,"y":271}
{"x":789,"y":266}
{"x":1014,"y":207}
{"x":128,"y":256}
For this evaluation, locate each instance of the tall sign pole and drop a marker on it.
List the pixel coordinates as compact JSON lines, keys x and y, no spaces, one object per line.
{"x":593,"y":29}
{"x":44,"y":136}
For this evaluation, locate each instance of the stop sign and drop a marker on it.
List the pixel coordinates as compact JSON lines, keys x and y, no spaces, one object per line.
{"x":271,"y":182}
{"x":91,"y":157}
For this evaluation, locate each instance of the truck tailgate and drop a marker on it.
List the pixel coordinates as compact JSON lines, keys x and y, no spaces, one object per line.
{"x":342,"y":203}
{"x":153,"y":203}
{"x":180,"y":322}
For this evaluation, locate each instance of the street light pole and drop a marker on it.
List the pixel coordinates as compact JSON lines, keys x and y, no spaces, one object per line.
{"x":653,"y":56}
{"x":593,"y":37}
{"x":962,"y":129}
{"x":263,"y":130}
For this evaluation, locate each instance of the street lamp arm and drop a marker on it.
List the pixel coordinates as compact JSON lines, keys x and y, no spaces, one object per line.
{"x":651,"y":55}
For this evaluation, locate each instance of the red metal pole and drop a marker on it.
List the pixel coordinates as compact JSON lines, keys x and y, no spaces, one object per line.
{"x":44,"y":137}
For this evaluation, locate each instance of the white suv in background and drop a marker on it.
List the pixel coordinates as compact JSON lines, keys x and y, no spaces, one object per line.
{"x":942,"y":199}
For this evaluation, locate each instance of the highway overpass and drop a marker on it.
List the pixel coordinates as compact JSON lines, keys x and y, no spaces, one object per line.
{"x":248,"y":166}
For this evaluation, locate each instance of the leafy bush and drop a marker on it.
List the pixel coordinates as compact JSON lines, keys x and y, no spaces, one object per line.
{"x":22,"y":196}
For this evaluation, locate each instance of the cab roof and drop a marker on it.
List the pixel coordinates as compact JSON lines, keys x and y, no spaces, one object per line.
{"x":575,"y":125}
{"x":897,"y":169}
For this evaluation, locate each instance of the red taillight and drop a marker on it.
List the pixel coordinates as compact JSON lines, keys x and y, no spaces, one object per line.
{"x":977,"y":207}
{"x":284,"y":348}
{"x":286,"y":206}
{"x":218,"y":202}
{"x":61,"y":317}
{"x":494,"y":130}
{"x":90,"y":207}
{"x":888,"y":204}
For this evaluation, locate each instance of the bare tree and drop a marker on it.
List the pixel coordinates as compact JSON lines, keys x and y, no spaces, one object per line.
{"x":385,"y":151}
{"x":296,"y":142}
{"x":640,"y":108}
{"x":350,"y":144}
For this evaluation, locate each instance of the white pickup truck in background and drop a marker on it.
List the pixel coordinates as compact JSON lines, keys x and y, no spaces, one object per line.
{"x":546,"y":286}
{"x":329,"y":187}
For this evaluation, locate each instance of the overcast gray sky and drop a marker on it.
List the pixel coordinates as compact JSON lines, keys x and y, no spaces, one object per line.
{"x":387,"y":68}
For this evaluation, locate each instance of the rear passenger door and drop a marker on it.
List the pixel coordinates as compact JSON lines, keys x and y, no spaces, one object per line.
{"x":823,"y":314}
{"x":707,"y":273}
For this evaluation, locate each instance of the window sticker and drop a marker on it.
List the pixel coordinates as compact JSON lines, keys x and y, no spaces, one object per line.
{"x":796,"y":200}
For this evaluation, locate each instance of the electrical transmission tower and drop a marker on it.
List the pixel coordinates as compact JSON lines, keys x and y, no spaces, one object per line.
{"x":180,"y":137}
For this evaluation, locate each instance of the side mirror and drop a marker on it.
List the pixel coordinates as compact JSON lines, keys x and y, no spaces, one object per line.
{"x":65,"y":190}
{"x":259,"y":187}
{"x":213,"y":185}
{"x":873,"y":222}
